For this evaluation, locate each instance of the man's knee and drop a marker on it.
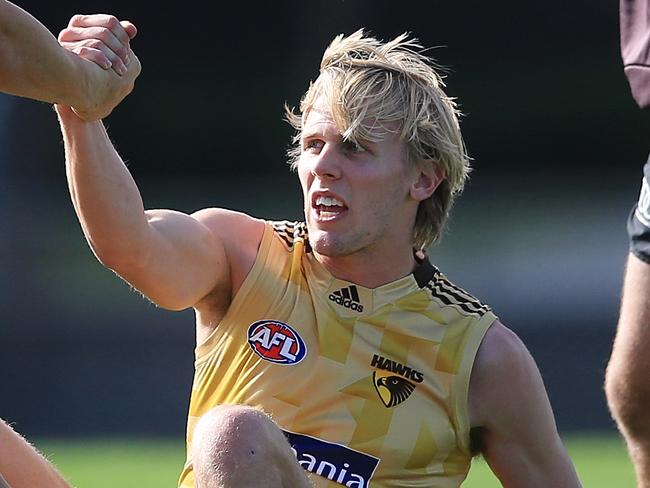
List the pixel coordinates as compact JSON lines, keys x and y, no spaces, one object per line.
{"x":234,"y":445}
{"x":627,"y":387}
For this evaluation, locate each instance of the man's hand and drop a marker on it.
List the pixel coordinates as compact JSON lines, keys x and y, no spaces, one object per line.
{"x":105,"y":41}
{"x":100,"y":38}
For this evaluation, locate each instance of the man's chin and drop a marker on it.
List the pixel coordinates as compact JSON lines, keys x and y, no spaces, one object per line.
{"x":325,"y":244}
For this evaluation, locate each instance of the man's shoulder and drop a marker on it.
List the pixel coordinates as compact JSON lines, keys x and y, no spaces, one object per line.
{"x":500,"y":350}
{"x":231,"y":225}
{"x":214,"y":216}
{"x":240,"y":234}
{"x":502,"y":360}
{"x":239,"y":226}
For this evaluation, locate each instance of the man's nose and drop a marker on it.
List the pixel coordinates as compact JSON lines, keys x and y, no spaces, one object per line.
{"x":327,"y":164}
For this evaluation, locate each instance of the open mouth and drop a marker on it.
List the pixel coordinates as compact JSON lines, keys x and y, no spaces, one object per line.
{"x":328,"y":208}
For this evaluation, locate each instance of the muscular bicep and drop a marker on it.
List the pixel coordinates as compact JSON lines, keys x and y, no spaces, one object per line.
{"x":508,"y":402}
{"x":182,"y":262}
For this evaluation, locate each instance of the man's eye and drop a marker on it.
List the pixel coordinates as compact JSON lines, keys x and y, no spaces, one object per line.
{"x":353,"y":147}
{"x":313,"y":145}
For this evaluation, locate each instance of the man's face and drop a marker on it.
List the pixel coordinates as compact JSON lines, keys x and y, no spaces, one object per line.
{"x":356,"y":197}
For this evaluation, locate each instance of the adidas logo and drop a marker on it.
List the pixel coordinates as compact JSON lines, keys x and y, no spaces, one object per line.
{"x":347,"y":297}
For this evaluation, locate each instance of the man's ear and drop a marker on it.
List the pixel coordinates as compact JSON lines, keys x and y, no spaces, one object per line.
{"x":429,"y":176}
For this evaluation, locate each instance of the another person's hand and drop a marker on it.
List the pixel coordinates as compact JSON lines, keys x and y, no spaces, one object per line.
{"x":104,"y":41}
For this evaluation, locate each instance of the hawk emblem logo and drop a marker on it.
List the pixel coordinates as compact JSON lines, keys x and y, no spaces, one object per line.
{"x":392,"y":389}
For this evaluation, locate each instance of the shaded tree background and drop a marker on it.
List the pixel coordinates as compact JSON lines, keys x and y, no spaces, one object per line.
{"x":557,"y":143}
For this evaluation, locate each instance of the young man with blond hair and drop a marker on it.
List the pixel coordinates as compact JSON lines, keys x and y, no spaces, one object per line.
{"x":331,"y":352}
{"x":335,"y":333}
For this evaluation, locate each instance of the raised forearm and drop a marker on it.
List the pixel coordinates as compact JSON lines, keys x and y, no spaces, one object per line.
{"x":171,"y":257}
{"x":105,"y":197}
{"x":34,"y":65}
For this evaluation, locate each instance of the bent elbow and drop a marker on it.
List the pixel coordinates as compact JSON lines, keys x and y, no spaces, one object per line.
{"x":118,"y":258}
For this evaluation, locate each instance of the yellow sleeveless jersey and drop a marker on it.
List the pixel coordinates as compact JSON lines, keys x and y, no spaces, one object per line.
{"x":369,"y":385}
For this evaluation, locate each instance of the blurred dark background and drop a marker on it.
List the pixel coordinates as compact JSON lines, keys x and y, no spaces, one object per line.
{"x":539,"y":232}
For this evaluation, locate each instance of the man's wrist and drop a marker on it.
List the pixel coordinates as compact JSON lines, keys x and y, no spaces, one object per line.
{"x":93,"y":90}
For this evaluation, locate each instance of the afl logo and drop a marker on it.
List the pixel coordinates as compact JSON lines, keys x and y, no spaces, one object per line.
{"x":276,"y":342}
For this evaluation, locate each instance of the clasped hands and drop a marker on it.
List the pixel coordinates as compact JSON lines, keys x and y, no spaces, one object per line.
{"x":104,"y":42}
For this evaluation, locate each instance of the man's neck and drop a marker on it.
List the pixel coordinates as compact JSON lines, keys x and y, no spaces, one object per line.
{"x":368,"y":270}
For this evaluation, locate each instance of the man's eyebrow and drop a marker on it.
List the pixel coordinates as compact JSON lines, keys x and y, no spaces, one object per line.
{"x":360,"y":140}
{"x":308,"y":134}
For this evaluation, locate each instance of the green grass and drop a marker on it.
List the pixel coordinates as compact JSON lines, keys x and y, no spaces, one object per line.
{"x":601,"y":461}
{"x":123,"y":463}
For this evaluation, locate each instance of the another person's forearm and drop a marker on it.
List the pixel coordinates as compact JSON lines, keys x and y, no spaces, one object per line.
{"x":22,"y":466}
{"x":34,"y":65}
{"x":104,"y":194}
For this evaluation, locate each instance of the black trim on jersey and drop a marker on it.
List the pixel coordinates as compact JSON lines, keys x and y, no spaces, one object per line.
{"x":424,"y":272}
{"x":426,"y":275}
{"x":284,"y":230}
{"x":458,"y":302}
{"x":458,"y":294}
{"x":290,"y":232}
{"x":449,"y":294}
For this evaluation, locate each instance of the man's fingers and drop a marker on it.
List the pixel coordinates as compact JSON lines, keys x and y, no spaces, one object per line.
{"x":130,"y":29}
{"x":135,"y":68}
{"x":73,"y":34}
{"x":97,"y":52}
{"x":95,"y":55}
{"x":102,"y":34}
{"x":109,"y":22}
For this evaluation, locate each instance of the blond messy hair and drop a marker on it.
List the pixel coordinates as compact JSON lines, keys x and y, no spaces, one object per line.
{"x":370,"y":85}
